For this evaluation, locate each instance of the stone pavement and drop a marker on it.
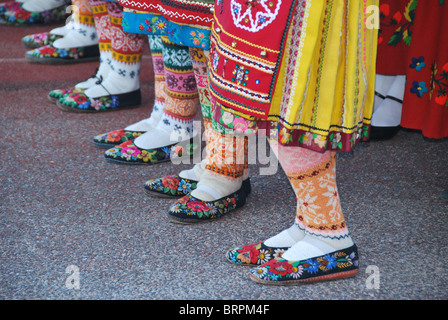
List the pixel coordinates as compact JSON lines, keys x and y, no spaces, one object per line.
{"x":63,"y":206}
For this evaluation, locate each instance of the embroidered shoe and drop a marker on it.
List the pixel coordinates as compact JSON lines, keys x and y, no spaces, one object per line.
{"x":189,"y":210}
{"x":128,"y":153}
{"x":254,"y":254}
{"x":9,"y":6}
{"x":79,"y":102}
{"x":37,"y":40}
{"x":170,"y":186}
{"x":55,"y":95}
{"x":51,"y":55}
{"x":14,"y":14}
{"x":111,"y":139}
{"x":176,"y":186}
{"x":335,"y":265}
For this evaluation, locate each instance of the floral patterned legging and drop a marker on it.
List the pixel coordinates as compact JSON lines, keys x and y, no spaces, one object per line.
{"x":226,"y":154}
{"x":312,"y":175}
{"x":181,"y":100}
{"x":313,"y":178}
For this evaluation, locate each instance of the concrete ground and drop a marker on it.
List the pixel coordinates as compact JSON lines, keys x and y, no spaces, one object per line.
{"x":64,"y":209}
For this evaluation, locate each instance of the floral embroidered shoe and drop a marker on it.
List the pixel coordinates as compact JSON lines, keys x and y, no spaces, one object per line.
{"x":37,"y":40}
{"x":51,"y":55}
{"x":55,"y":95}
{"x":128,"y":153}
{"x":254,"y":254}
{"x":79,"y":102}
{"x":111,"y":139}
{"x":335,"y":265}
{"x":15,"y":14}
{"x":189,"y":210}
{"x":170,"y":186}
{"x":9,"y":6}
{"x":176,"y":186}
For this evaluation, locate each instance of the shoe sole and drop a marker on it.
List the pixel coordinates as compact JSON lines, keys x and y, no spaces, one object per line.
{"x":103,"y":145}
{"x":196,"y":221}
{"x":53,"y":100}
{"x":160,"y":195}
{"x":328,"y":277}
{"x":56,"y":61}
{"x":65,"y":108}
{"x":188,"y":221}
{"x":134,"y":163}
{"x":242,"y":264}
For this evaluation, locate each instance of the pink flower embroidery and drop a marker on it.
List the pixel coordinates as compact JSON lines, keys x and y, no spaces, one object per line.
{"x":131,"y":151}
{"x":96,"y":104}
{"x":240,"y":124}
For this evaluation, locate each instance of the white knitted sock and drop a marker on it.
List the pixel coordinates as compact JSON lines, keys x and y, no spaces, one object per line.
{"x":311,"y":246}
{"x":122,"y":78}
{"x":101,"y":74}
{"x":81,"y":35}
{"x":193,"y":173}
{"x":286,"y":238}
{"x":213,"y":186}
{"x":41,"y":5}
{"x":62,"y":31}
{"x":168,"y":131}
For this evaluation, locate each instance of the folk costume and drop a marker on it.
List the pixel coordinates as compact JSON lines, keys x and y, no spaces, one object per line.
{"x":312,"y":84}
{"x":412,"y":67}
{"x":176,"y":93}
{"x":76,"y":42}
{"x":116,"y":83}
{"x":37,"y":40}
{"x":185,"y":31}
{"x":32,"y":12}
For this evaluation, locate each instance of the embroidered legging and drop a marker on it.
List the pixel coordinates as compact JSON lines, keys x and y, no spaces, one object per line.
{"x":156,"y":46}
{"x":127,"y":48}
{"x":103,"y":27}
{"x":82,"y":13}
{"x":181,"y":99}
{"x":226,"y":154}
{"x":313,"y":178}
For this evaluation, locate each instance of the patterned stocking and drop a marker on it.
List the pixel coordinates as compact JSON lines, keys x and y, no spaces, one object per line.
{"x":103,"y":29}
{"x":127,"y":48}
{"x":220,"y":174}
{"x":220,"y":189}
{"x":224,"y":165}
{"x":209,"y":171}
{"x":155,"y":44}
{"x":199,"y":61}
{"x":319,"y":215}
{"x":181,"y":100}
